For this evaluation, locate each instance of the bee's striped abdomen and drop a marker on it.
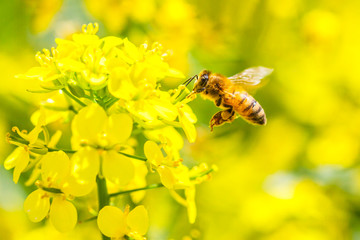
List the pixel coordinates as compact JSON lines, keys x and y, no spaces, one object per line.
{"x":250,"y":109}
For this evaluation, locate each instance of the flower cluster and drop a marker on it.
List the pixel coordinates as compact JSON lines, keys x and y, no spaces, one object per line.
{"x":108,"y":92}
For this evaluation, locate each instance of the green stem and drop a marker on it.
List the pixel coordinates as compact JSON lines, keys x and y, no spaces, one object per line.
{"x":202,"y":174}
{"x":71,"y":108}
{"x":74,"y":151}
{"x":157,"y":185}
{"x":52,"y":190}
{"x":64,"y":150}
{"x":133,"y":156}
{"x":111,"y":102}
{"x":151,"y":186}
{"x":103,"y":196}
{"x":73,"y":97}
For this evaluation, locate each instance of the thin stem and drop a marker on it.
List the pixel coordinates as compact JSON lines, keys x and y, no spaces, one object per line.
{"x":52,"y":190}
{"x":74,"y":151}
{"x":64,"y":150}
{"x":133,"y":156}
{"x":111,"y":102}
{"x":203,"y":174}
{"x":151,"y":186}
{"x":71,"y":108}
{"x":103,"y":196}
{"x":73,"y":97}
{"x":157,"y":185}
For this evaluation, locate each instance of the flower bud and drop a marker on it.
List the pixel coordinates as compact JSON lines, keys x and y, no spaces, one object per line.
{"x":38,"y":149}
{"x":75,"y":89}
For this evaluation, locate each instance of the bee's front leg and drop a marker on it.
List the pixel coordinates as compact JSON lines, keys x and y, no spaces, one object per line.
{"x":222,"y":117}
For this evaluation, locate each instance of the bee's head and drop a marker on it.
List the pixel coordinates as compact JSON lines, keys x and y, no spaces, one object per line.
{"x":201,"y":81}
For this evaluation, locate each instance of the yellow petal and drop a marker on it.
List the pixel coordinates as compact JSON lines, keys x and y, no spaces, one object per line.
{"x":166,"y":176}
{"x":89,"y":122}
{"x":143,"y":110}
{"x":85,"y":39}
{"x":119,"y":128}
{"x":63,"y":214}
{"x":169,"y":133}
{"x":21,"y":163}
{"x":10,"y":161}
{"x":35,"y":72}
{"x":41,"y":121}
{"x":187,"y":126}
{"x":85,"y":164}
{"x":131,"y":50}
{"x":111,"y":222}
{"x":55,"y":138}
{"x":37,"y":205}
{"x":19,"y":159}
{"x":120,"y":84}
{"x":55,"y":167}
{"x":110,"y":42}
{"x":188,"y":113}
{"x":117,"y":168}
{"x":138,"y":220}
{"x":68,"y":64}
{"x":78,"y":187}
{"x":191,"y":206}
{"x":153,"y":153}
{"x":164,"y":108}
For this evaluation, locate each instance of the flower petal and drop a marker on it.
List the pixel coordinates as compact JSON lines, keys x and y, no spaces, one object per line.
{"x":111,"y":222}
{"x":78,"y":187}
{"x":63,"y":214}
{"x":89,"y":122}
{"x":120,"y":84}
{"x":191,"y":206}
{"x":138,"y":220}
{"x":187,"y":125}
{"x":55,"y":167}
{"x":85,"y":164}
{"x":10,"y":161}
{"x":153,"y":153}
{"x":119,"y":127}
{"x":37,"y":205}
{"x":117,"y":168}
{"x":167,"y":177}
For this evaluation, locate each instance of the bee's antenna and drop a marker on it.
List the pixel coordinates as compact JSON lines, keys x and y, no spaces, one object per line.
{"x":190,"y":80}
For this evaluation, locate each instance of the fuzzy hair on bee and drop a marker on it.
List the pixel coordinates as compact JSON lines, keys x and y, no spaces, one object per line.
{"x":229,"y":94}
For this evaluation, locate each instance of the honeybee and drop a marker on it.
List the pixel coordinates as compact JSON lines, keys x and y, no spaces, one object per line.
{"x":229,"y":94}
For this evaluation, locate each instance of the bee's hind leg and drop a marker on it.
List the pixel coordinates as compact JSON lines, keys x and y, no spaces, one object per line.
{"x":222,"y":117}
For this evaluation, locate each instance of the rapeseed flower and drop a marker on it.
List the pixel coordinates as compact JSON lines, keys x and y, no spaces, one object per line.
{"x":116,"y":224}
{"x":55,"y":171}
{"x":107,"y":90}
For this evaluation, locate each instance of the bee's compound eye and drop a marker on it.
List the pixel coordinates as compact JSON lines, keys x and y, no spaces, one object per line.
{"x":204,"y":79}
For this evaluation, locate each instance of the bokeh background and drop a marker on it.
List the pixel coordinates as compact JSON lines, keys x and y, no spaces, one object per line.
{"x":296,"y":178}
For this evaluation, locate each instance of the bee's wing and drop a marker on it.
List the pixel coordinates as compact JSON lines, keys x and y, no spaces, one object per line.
{"x":250,"y":76}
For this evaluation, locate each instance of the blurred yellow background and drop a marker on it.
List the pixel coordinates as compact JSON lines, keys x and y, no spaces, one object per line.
{"x":296,"y":178}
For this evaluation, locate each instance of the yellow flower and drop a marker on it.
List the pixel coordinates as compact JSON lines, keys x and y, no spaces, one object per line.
{"x":20,"y":157}
{"x":18,"y":160}
{"x":92,"y":127}
{"x":175,"y":175}
{"x":55,"y":172}
{"x":115,"y":223}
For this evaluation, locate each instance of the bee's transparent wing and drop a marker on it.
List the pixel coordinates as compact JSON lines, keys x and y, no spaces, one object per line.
{"x":250,"y":76}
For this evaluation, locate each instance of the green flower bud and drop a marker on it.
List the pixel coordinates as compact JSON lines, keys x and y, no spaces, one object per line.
{"x":75,"y":89}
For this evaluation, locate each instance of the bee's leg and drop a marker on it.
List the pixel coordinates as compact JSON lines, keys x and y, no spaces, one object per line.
{"x":218,"y":102}
{"x":228,"y":115}
{"x":222,"y":117}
